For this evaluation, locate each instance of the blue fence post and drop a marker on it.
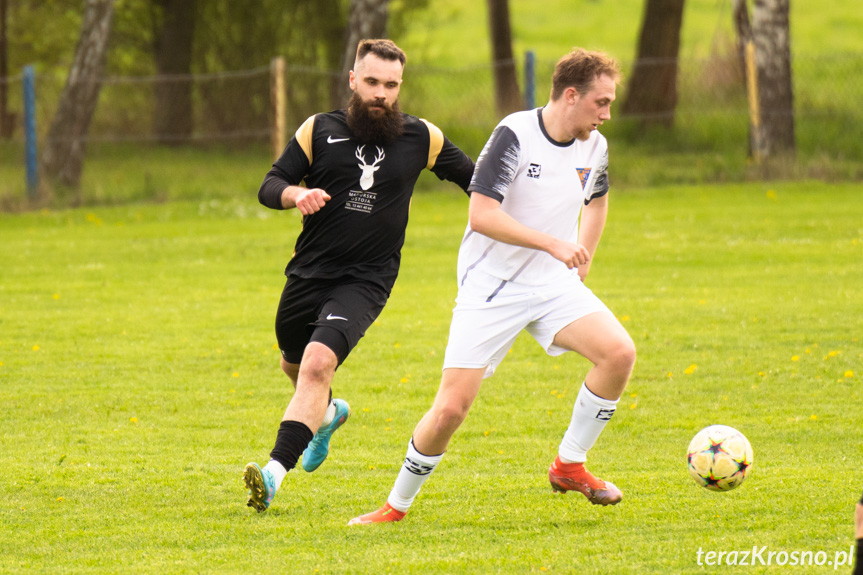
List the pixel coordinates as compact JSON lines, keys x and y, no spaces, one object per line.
{"x":529,"y":79}
{"x":30,"y":129}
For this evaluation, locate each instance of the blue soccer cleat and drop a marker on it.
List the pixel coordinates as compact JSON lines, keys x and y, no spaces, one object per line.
{"x":319,"y":446}
{"x":261,"y":485}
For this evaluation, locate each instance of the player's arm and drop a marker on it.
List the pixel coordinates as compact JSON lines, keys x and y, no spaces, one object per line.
{"x":593,"y":217}
{"x":280,"y":189}
{"x":487,"y":218}
{"x":446,"y":160}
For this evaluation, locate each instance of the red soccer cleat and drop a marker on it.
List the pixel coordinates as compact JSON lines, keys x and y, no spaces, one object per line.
{"x":574,"y":477}
{"x":383,"y":515}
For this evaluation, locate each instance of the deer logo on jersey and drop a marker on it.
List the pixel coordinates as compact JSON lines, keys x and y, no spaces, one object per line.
{"x":367,"y":179}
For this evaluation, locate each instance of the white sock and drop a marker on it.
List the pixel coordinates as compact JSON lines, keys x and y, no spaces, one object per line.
{"x":414,"y":472}
{"x":330,"y":414}
{"x":278,"y":470}
{"x":589,"y":416}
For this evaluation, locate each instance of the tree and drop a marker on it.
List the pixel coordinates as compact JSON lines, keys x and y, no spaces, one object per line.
{"x":652,"y":91}
{"x":63,"y":158}
{"x":367,"y":19}
{"x":507,"y":97}
{"x":6,"y":119}
{"x":768,"y":40}
{"x":174,"y":33}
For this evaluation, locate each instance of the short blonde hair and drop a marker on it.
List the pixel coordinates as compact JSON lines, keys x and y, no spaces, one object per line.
{"x":579,"y":69}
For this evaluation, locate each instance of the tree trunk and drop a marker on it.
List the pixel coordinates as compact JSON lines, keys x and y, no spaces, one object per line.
{"x":367,"y":19}
{"x":652,"y":92}
{"x":7,"y":120}
{"x":173,"y":120}
{"x":771,"y":34}
{"x":506,"y":94}
{"x":63,"y":158}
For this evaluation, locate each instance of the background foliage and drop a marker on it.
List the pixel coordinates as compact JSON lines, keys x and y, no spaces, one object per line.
{"x":448,"y":80}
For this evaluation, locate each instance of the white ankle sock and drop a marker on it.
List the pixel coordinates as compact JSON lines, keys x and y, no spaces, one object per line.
{"x":278,"y":470}
{"x":330,"y":414}
{"x":414,"y":472}
{"x":589,"y":416}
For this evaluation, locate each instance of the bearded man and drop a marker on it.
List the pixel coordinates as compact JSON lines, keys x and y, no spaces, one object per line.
{"x":360,"y":166}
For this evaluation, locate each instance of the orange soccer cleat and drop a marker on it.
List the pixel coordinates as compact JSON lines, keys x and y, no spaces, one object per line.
{"x":383,"y":515}
{"x":574,"y":477}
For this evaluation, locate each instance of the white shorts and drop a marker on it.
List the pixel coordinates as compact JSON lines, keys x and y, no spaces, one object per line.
{"x":487,"y":318}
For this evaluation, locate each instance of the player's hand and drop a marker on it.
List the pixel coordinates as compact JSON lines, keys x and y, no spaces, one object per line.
{"x":583,"y":270}
{"x":309,"y":201}
{"x":573,"y":255}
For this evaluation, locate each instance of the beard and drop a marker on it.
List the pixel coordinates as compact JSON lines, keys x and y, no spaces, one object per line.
{"x":374,"y":126}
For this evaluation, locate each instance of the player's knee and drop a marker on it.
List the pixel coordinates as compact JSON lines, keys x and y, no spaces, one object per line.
{"x":318,"y":366}
{"x":622,"y":355}
{"x":450,"y":416}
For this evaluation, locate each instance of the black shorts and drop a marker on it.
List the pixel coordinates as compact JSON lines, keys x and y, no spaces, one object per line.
{"x":334,"y":312}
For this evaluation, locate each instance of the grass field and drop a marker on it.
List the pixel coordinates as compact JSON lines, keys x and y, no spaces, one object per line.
{"x":138,"y":375}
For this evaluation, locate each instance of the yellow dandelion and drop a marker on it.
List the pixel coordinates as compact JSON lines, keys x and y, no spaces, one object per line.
{"x":235,"y":374}
{"x":366,"y":409}
{"x":404,"y":380}
{"x":554,"y":392}
{"x":761,"y":373}
{"x":670,"y":374}
{"x":633,"y":395}
{"x":275,"y":346}
{"x":848,"y":373}
{"x":795,"y":358}
{"x":371,"y":466}
{"x":690,"y":370}
{"x":35,"y":348}
{"x":389,"y":429}
{"x":771,"y":194}
{"x":813,"y":417}
{"x":388,"y":419}
{"x":486,"y":433}
{"x":60,"y":499}
{"x":397,"y":344}
{"x":499,"y":452}
{"x":133,"y":420}
{"x":624,"y":318}
{"x":56,"y":296}
{"x":632,"y":406}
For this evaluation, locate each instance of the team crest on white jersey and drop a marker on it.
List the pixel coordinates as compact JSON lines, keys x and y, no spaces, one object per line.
{"x":533,"y":171}
{"x":583,"y":175}
{"x":367,"y":179}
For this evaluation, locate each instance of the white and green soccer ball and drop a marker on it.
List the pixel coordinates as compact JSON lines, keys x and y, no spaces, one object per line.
{"x":719,"y":458}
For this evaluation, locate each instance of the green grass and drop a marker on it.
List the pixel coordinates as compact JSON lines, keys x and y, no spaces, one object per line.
{"x":138,"y":376}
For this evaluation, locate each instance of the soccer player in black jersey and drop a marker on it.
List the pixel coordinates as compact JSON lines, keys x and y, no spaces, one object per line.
{"x":359,"y":166}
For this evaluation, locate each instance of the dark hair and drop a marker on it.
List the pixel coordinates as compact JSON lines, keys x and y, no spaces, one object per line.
{"x":579,"y":69}
{"x":382,"y":48}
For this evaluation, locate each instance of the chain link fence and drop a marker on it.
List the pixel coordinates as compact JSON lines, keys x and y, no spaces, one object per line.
{"x":708,"y":141}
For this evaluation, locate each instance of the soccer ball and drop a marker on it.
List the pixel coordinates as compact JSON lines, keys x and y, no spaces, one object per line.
{"x":719,"y":458}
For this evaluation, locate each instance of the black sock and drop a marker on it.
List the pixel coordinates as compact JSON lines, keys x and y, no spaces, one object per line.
{"x":292,"y":439}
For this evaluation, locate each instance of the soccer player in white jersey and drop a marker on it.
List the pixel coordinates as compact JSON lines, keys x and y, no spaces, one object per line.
{"x":521,"y":265}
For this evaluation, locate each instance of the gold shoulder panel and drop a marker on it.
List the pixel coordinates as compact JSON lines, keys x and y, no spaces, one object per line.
{"x":304,"y":136}
{"x":435,"y":143}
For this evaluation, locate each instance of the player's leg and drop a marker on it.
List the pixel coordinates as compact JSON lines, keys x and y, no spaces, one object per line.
{"x":601,"y":339}
{"x":302,"y":418}
{"x":431,"y":436}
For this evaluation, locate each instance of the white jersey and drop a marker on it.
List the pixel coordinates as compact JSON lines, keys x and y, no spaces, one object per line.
{"x":542,"y":184}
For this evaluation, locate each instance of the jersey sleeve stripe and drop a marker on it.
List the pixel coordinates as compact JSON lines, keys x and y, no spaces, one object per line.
{"x":304,"y":137}
{"x":435,"y":143}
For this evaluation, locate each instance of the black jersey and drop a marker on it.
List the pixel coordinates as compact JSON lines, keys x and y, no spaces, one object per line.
{"x":361,"y":230}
